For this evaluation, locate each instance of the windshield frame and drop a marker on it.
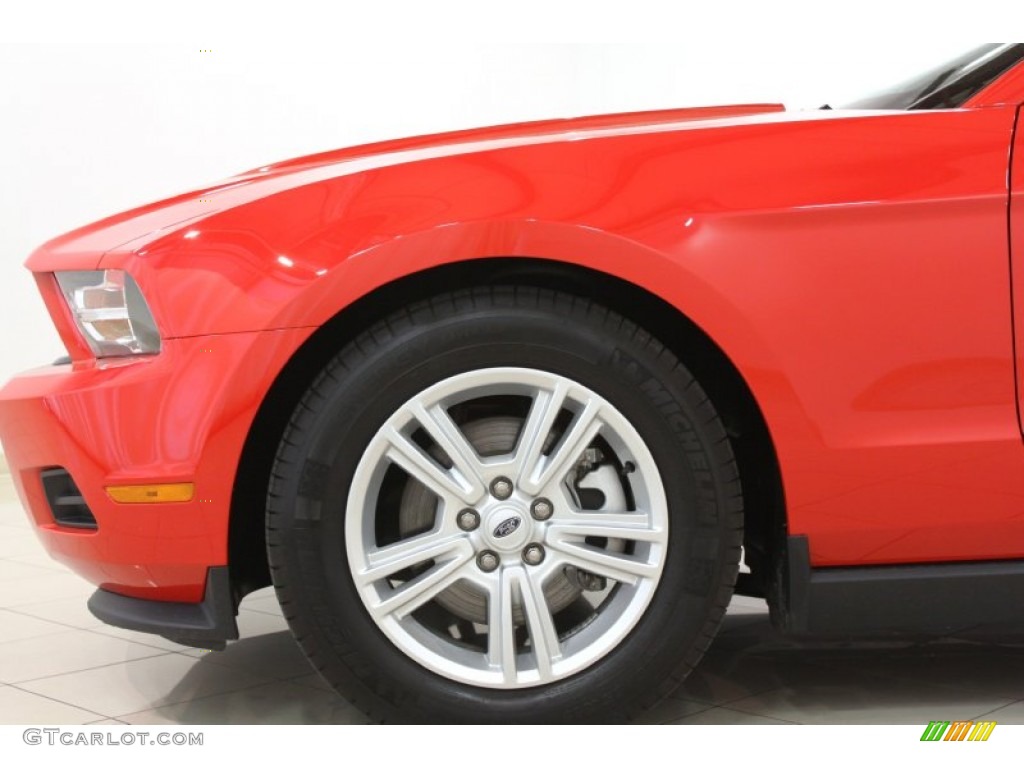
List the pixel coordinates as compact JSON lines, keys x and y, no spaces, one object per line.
{"x":949,"y":85}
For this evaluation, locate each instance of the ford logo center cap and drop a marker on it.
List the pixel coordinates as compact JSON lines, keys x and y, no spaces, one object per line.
{"x":505,"y":527}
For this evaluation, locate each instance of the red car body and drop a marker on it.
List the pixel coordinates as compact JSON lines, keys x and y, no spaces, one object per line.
{"x":858,"y":270}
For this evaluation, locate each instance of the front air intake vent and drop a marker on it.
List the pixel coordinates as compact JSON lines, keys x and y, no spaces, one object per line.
{"x":66,"y":503}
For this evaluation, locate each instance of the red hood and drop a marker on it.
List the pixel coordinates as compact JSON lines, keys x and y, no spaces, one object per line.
{"x":84,"y":247}
{"x":516,"y":132}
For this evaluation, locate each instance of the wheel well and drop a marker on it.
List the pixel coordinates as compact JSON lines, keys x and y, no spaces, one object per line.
{"x":755,"y":453}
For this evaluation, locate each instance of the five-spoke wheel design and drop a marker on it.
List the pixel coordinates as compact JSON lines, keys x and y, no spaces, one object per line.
{"x":506,"y":527}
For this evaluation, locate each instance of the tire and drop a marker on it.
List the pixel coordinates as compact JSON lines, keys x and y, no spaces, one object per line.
{"x":504,"y":505}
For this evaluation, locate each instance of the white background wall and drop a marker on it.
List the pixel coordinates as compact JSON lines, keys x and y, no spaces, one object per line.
{"x":87,"y":130}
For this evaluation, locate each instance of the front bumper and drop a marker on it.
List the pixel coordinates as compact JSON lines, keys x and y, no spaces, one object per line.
{"x":180,"y":416}
{"x":208,"y":624}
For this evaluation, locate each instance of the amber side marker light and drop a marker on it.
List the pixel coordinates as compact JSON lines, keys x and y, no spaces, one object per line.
{"x":151,"y":494}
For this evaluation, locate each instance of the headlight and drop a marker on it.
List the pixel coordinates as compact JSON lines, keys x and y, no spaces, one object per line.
{"x":110,"y":312}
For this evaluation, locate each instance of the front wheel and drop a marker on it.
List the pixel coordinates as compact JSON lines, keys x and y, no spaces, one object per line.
{"x":505,"y":505}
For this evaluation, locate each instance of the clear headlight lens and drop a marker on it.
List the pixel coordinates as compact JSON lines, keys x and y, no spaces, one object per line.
{"x":110,"y":312}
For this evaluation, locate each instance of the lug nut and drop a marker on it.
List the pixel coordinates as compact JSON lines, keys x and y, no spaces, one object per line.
{"x":533,"y":554}
{"x":487,"y":561}
{"x":468,"y":520}
{"x":541,"y":509}
{"x":501,"y":488}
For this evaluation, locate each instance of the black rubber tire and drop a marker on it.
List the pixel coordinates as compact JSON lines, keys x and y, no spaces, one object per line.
{"x":513,"y":326}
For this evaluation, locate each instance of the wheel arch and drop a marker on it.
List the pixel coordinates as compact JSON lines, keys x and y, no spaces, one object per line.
{"x":765,"y":522}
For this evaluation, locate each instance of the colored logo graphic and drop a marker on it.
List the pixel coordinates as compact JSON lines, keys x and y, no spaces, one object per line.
{"x":958,"y":730}
{"x":507,"y":527}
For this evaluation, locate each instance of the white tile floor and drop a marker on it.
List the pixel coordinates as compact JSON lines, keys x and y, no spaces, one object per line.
{"x":59,"y":665}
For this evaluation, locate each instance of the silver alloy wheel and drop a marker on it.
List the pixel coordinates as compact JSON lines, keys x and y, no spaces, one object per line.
{"x":614,"y":552}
